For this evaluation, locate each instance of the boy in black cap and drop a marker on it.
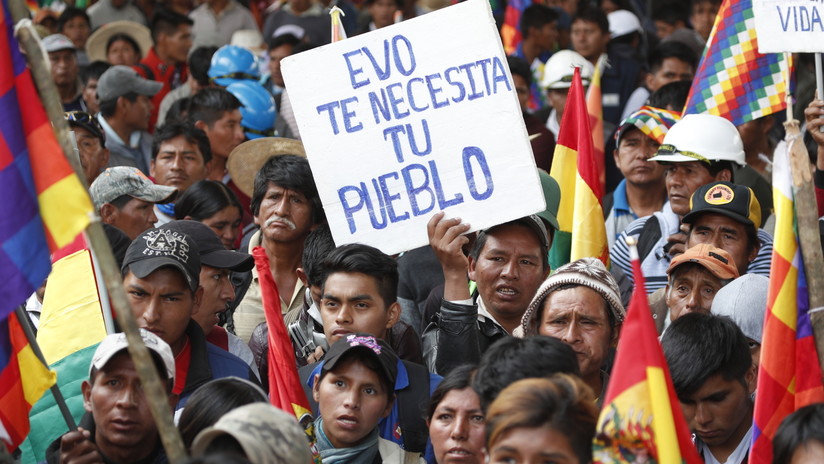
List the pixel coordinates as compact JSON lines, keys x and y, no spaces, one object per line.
{"x":727,"y":216}
{"x":216,"y":265}
{"x":161,"y":273}
{"x":354,"y":391}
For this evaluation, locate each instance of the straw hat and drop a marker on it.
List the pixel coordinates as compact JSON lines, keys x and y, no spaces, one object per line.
{"x":96,"y":45}
{"x":247,"y":159}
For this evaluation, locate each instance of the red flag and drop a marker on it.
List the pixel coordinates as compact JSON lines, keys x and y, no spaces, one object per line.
{"x":641,"y":417}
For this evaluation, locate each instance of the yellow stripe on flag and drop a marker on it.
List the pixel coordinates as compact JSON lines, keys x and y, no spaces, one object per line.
{"x":65,"y":208}
{"x":564,"y":167}
{"x":72,"y":318}
{"x":666,"y":441}
{"x":589,"y":236}
{"x":35,"y":377}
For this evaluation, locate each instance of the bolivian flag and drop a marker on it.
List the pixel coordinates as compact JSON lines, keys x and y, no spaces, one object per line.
{"x":580,"y":215}
{"x":641,"y":417}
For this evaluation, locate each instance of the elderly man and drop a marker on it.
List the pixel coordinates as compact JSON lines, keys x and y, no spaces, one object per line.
{"x":286,"y":206}
{"x":695,"y":277}
{"x":91,"y":143}
{"x":581,"y":305}
{"x":125,"y":197}
{"x":507,"y":262}
{"x":65,"y":71}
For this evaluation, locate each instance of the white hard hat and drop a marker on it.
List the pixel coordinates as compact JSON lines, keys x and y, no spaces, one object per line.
{"x":559,"y":69}
{"x":702,"y":137}
{"x":623,"y":22}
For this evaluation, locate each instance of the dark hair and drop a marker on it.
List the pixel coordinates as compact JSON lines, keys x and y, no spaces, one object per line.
{"x":291,"y":172}
{"x":165,"y":21}
{"x":364,"y":259}
{"x":109,"y":107}
{"x":199,"y":62}
{"x":283,"y":39}
{"x":715,"y":167}
{"x":204,"y":199}
{"x":671,"y":12}
{"x":798,"y":429}
{"x":511,"y":359}
{"x":122,"y":37}
{"x":589,"y":13}
{"x":121,"y":201}
{"x":458,"y":378}
{"x":398,"y":3}
{"x":70,"y":13}
{"x":318,"y":245}
{"x":537,"y":16}
{"x":94,"y":70}
{"x":179,"y":110}
{"x":670,"y":49}
{"x":698,"y":346}
{"x":693,"y":3}
{"x":175,"y":128}
{"x":368,"y":361}
{"x":519,"y":67}
{"x":210,"y":104}
{"x":480,"y":242}
{"x":672,"y":95}
{"x":562,"y":402}
{"x":214,"y":399}
{"x":302,"y":47}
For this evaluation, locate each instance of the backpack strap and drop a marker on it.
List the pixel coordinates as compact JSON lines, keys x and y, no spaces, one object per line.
{"x":411,"y":403}
{"x":649,"y":236}
{"x":146,"y":69}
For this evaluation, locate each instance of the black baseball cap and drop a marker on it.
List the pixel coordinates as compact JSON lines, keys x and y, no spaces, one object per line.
{"x":158,"y":248}
{"x":212,"y":251}
{"x":368,"y":345}
{"x":737,"y":202}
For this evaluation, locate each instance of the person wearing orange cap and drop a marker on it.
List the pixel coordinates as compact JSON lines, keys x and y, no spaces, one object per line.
{"x":695,"y":276}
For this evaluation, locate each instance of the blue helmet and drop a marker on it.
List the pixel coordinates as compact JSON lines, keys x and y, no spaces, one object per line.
{"x":231,"y":63}
{"x":257,"y":109}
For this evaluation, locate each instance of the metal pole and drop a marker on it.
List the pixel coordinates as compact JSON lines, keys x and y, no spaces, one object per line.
{"x":155,"y":391}
{"x":25,"y":323}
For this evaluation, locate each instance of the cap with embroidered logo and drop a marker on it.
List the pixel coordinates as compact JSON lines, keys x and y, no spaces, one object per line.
{"x":158,"y":248}
{"x":737,"y":202}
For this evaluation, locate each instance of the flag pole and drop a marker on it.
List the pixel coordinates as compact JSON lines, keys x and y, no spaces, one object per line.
{"x":155,"y":391}
{"x":25,"y":323}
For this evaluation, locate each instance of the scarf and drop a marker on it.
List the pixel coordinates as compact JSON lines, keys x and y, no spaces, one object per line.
{"x":167,"y":208}
{"x":362,"y":454}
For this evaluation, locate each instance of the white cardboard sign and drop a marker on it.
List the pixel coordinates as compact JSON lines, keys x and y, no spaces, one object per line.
{"x":789,"y":25}
{"x":412,"y":119}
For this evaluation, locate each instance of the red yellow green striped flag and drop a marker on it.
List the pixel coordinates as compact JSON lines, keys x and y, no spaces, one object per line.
{"x":580,"y":215}
{"x":641,"y":420}
{"x":595,"y":108}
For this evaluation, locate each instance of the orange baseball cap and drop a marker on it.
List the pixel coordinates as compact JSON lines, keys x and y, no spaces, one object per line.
{"x":715,"y":260}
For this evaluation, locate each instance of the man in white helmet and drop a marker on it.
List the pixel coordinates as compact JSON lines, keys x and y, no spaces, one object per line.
{"x":556,"y":83}
{"x":697,"y":150}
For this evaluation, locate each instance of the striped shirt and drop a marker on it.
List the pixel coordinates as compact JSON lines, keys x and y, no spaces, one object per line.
{"x":655,"y":264}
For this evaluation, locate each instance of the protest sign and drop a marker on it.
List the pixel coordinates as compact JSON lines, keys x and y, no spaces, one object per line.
{"x":412,"y":119}
{"x":789,"y":25}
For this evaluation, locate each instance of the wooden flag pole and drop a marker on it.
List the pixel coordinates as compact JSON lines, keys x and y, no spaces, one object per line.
{"x":155,"y":391}
{"x":25,"y":323}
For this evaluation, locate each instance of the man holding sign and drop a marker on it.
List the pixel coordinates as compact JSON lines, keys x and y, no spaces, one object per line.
{"x":508,"y":262}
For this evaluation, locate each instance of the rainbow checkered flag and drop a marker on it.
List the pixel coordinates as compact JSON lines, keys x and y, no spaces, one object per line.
{"x":734,"y":80}
{"x":789,"y":376}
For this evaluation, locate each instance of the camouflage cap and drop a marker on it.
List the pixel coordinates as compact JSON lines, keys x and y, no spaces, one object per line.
{"x":266,"y":434}
{"x":127,"y":180}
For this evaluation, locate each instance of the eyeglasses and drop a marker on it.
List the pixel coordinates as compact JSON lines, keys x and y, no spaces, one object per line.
{"x":668,"y":149}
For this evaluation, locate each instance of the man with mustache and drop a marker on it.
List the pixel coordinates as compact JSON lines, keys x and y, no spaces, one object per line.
{"x":286,"y":206}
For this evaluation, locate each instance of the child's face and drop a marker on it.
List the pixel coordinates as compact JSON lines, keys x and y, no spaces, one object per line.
{"x":352,"y":400}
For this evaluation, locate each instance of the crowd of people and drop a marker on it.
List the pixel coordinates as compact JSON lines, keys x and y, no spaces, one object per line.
{"x":471,"y":349}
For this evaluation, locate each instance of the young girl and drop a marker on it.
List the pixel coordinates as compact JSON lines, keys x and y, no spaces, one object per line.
{"x":354,"y":391}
